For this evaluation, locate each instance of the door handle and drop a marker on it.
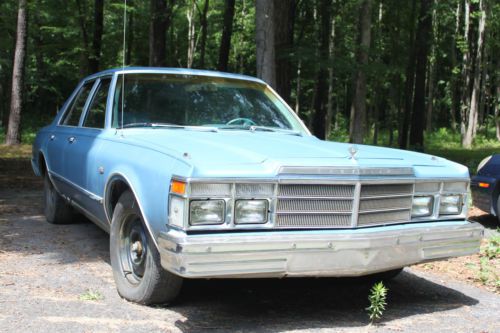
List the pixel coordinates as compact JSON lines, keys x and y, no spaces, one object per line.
{"x":52,"y":137}
{"x":71,"y":139}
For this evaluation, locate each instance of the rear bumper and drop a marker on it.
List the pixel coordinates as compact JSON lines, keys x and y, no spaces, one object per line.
{"x":315,"y":253}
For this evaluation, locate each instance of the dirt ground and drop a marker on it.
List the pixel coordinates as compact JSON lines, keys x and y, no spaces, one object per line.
{"x":58,"y":279}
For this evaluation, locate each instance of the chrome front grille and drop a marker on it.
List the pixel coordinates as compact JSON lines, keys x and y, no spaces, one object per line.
{"x":342,"y":206}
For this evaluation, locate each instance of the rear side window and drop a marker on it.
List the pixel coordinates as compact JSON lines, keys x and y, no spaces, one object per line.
{"x":75,"y":109}
{"x":96,"y":115}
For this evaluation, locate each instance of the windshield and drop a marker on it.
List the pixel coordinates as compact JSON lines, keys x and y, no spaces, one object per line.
{"x":188,"y":100}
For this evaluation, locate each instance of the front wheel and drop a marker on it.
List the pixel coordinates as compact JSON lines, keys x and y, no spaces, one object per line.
{"x":135,"y":260}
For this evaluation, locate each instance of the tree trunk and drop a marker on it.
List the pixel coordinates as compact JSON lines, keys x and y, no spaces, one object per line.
{"x":298,"y":87}
{"x":191,"y":34}
{"x":454,"y":95}
{"x":13,"y":136}
{"x":84,"y":69}
{"x":465,"y":99}
{"x":431,"y":77}
{"x":160,"y":13}
{"x":95,"y":56}
{"x":204,"y":31}
{"x":331,"y":49}
{"x":284,"y":13}
{"x":320,"y":100}
{"x":358,"y":106}
{"x":409,"y":83}
{"x":227,"y":32}
{"x":264,"y":38}
{"x":422,"y":44}
{"x":130,"y":33}
{"x":472,"y":116}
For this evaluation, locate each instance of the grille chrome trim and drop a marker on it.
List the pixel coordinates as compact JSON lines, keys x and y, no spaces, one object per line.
{"x":347,"y":171}
{"x":366,"y":205}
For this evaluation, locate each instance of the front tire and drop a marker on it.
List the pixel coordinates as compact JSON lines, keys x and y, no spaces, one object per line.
{"x":135,"y":260}
{"x":56,"y":209}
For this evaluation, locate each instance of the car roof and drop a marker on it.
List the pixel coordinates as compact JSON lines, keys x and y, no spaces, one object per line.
{"x":172,"y":70}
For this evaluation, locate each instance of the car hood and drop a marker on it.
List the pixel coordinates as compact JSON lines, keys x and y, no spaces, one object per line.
{"x":238,"y":153}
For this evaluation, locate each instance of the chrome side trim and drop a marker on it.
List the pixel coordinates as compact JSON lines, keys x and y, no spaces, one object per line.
{"x":89,"y":194}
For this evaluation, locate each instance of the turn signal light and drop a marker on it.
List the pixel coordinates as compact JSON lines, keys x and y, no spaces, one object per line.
{"x":178,"y":187}
{"x":484,"y":185}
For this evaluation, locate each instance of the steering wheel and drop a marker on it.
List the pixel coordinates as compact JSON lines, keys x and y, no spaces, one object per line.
{"x":243,"y":121}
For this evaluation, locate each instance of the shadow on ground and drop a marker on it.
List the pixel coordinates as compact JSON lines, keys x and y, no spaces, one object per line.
{"x":275,"y":305}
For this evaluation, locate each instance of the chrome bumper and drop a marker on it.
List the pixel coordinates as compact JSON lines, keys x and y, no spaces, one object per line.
{"x":315,"y":253}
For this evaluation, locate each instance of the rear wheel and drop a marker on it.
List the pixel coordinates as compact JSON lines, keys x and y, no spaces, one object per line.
{"x":56,"y":209}
{"x":135,"y":260}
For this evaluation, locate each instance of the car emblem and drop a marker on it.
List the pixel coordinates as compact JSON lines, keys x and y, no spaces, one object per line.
{"x":353,"y":150}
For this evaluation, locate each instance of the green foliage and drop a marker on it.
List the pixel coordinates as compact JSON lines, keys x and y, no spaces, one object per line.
{"x":91,"y":295}
{"x":492,"y":248}
{"x":377,"y":298}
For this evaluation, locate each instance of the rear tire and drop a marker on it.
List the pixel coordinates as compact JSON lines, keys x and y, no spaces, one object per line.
{"x":136,"y":264}
{"x":56,"y":209}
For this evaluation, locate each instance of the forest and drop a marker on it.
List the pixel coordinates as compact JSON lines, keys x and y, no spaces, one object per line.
{"x":400,"y":73}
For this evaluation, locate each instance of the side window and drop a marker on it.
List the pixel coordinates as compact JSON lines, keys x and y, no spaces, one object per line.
{"x":97,"y":110}
{"x":72,"y":115}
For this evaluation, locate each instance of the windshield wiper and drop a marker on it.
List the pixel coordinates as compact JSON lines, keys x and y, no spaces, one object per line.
{"x":169,"y":125}
{"x":254,"y":128}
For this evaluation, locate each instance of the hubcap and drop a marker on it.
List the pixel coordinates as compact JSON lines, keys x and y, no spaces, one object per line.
{"x":133,"y":249}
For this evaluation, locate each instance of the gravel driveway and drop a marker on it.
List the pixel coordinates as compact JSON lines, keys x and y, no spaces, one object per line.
{"x":45,"y":270}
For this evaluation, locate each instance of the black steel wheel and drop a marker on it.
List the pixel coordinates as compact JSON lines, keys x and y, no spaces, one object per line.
{"x":56,"y":209}
{"x":135,"y":260}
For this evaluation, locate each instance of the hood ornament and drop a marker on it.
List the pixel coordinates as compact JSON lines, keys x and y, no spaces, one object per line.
{"x":353,"y":150}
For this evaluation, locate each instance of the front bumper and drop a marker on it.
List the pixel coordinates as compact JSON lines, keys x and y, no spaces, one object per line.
{"x":315,"y":253}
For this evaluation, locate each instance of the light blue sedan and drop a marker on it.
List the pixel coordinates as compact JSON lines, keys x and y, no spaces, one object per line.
{"x":200,"y":174}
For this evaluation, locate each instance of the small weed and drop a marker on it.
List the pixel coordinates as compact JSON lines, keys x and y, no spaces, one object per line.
{"x":492,"y":249}
{"x":377,"y":298}
{"x":91,"y":295}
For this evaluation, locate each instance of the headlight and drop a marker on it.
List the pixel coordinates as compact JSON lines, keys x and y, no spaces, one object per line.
{"x":202,"y":212}
{"x":176,"y":211}
{"x":450,"y":205}
{"x":251,"y":211}
{"x":422,"y":206}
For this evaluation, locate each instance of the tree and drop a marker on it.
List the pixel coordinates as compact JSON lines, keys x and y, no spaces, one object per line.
{"x":284,"y":12}
{"x":472,"y":114}
{"x":13,"y":136}
{"x":97,"y":38}
{"x":358,"y":106}
{"x":191,"y":34}
{"x":320,"y":96}
{"x":264,"y":36}
{"x":160,"y":12}
{"x":227,"y":32}
{"x":422,"y":45}
{"x":409,"y":81}
{"x":204,"y":32}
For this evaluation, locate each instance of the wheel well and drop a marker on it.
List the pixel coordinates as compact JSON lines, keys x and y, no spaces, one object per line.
{"x":42,"y":166}
{"x":117,"y":188}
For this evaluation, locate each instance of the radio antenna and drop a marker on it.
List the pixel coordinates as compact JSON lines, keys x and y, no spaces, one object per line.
{"x":123,"y":57}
